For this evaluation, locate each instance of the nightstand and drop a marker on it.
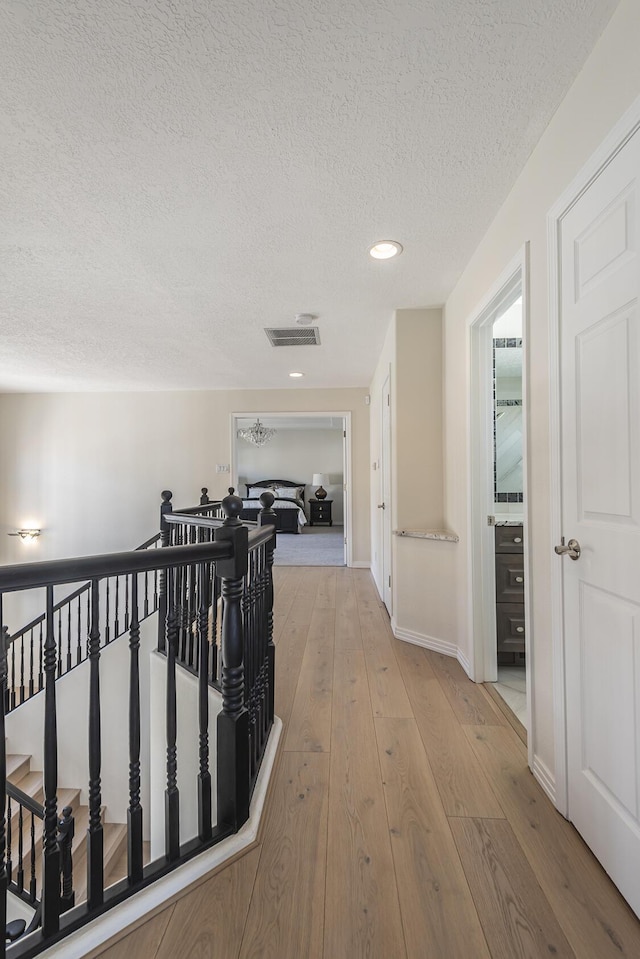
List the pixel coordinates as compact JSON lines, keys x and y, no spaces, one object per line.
{"x":320,"y":511}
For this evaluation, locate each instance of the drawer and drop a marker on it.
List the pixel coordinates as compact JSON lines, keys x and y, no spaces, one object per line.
{"x":509,"y":578}
{"x":510,"y":627}
{"x":509,"y":539}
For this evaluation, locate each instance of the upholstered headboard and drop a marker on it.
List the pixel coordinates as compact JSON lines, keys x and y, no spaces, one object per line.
{"x":275,"y":483}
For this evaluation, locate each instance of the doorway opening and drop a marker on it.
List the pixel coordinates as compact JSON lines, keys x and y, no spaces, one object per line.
{"x":310,"y":453}
{"x":498,"y":528}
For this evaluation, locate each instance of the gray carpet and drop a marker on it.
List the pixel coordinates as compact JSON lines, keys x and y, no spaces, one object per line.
{"x":314,"y":546}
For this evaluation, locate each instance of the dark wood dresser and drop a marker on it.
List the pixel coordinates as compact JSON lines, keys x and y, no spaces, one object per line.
{"x":510,"y":627}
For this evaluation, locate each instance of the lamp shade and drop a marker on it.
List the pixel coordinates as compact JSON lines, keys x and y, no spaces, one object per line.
{"x":319,"y":479}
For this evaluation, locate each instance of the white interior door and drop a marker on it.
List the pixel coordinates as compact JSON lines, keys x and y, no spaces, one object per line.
{"x":384,"y":505}
{"x":600,"y":417}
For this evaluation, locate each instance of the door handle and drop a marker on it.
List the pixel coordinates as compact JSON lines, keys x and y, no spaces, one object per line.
{"x":381,"y":506}
{"x":572,"y":549}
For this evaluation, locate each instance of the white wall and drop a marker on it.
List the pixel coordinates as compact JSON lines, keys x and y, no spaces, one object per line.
{"x":296,"y":454}
{"x":606,"y":87}
{"x":423,"y":571}
{"x":25,"y":726}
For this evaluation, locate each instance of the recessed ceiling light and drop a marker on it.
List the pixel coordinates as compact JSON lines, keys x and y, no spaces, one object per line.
{"x":296,"y":374}
{"x":385,"y":249}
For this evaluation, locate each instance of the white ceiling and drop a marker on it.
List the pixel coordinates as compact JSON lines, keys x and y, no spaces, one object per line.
{"x":179,"y":174}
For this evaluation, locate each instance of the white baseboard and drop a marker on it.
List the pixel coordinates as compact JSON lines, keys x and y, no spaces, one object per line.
{"x":545,"y":777}
{"x":359,"y":564}
{"x":464,"y":662}
{"x":428,"y":642}
{"x":121,"y":917}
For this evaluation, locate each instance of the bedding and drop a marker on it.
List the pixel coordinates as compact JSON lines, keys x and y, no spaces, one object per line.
{"x":288,"y":505}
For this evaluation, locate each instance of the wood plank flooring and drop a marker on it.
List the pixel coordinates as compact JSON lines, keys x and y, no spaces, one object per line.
{"x":402,"y":822}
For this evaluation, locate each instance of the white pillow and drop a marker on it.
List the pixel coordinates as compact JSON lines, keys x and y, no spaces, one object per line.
{"x":257,"y":491}
{"x":287,"y":492}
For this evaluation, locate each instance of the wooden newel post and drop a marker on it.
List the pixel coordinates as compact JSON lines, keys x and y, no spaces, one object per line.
{"x":165,"y":507}
{"x":233,"y":721}
{"x":268,"y":515}
{"x":204,"y":496}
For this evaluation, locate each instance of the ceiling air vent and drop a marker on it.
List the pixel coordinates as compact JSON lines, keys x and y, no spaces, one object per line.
{"x":293,"y":336}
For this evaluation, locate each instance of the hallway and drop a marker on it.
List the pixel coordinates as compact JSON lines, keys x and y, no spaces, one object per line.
{"x":402,"y":820}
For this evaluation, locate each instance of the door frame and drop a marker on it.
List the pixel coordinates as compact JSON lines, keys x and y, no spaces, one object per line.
{"x":480,"y":536}
{"x":286,"y":414}
{"x":385,"y":522}
{"x":627,"y":126}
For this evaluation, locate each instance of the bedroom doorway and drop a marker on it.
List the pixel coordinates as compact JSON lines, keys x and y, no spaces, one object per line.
{"x":316,"y":530}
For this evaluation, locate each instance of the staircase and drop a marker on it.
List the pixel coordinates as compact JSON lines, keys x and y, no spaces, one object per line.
{"x":19,"y":773}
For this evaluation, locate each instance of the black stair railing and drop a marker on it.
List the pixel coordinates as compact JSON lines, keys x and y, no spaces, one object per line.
{"x":234,"y":555}
{"x":72,"y":618}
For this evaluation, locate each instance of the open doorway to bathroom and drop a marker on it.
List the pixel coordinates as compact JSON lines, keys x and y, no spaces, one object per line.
{"x":498,"y":516}
{"x":508,"y":510}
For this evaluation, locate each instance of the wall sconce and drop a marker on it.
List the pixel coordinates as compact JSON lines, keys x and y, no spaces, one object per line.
{"x":27,"y":534}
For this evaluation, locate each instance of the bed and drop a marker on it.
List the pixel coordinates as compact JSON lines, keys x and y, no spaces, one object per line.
{"x":288,"y":509}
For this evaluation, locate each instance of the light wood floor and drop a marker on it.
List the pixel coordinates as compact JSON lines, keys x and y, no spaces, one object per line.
{"x":402,"y":820}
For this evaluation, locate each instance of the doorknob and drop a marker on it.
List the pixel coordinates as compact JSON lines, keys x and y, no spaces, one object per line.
{"x":572,"y":549}
{"x":381,"y":506}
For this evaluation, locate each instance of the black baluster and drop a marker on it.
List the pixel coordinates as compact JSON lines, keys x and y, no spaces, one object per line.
{"x":59,"y":644}
{"x":107,"y":603}
{"x":51,"y":858}
{"x":171,"y":796}
{"x":116,"y":603}
{"x":22,"y":686}
{"x":215,"y":591}
{"x":40,"y":659}
{"x":161,"y":595}
{"x":232,"y":729}
{"x":12,"y":691}
{"x":126,"y":603}
{"x":268,"y":515}
{"x":79,"y":637}
{"x":146,"y":593}
{"x":66,"y":830}
{"x":32,"y":880}
{"x":69,"y":661}
{"x":95,"y":837}
{"x":204,"y":776}
{"x":134,"y":812}
{"x":9,"y":840}
{"x":20,"y":873}
{"x":31,"y":672}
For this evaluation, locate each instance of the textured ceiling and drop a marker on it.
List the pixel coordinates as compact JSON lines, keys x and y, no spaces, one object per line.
{"x":178,"y":174}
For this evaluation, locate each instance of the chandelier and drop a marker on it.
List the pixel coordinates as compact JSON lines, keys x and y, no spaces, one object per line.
{"x":256,"y":434}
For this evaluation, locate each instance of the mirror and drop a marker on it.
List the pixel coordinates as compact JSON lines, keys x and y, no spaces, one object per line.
{"x":507,"y":381}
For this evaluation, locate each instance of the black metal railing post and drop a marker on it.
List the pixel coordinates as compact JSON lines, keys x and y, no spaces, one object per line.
{"x":51,"y":855}
{"x":95,"y":833}
{"x":233,"y":758}
{"x":204,"y":774}
{"x":134,"y":812}
{"x":268,"y":515}
{"x":165,"y":507}
{"x":172,"y":795}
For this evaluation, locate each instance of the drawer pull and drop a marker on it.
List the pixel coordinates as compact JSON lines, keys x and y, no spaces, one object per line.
{"x":519,"y":629}
{"x":519,"y":579}
{"x":517,"y":539}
